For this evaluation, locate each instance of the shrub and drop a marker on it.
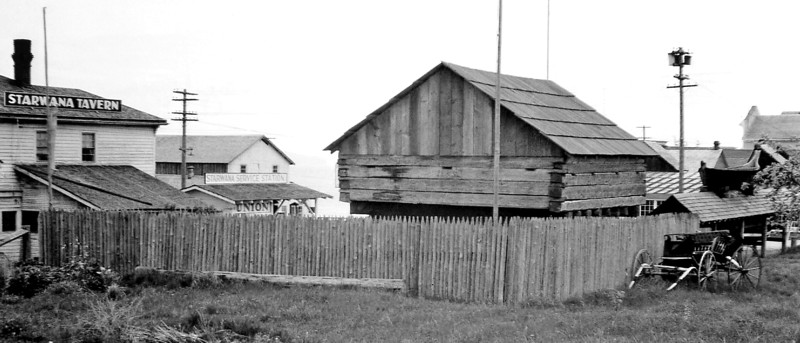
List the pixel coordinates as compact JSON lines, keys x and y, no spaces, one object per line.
{"x":31,"y":277}
{"x":64,"y":288}
{"x":88,"y":273}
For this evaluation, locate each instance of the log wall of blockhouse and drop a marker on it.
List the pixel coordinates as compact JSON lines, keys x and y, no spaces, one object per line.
{"x":598,"y":182}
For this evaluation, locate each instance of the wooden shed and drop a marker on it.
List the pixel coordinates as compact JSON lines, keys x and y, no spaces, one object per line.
{"x":428,"y":151}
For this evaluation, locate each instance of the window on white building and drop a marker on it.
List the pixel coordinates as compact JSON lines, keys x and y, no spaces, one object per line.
{"x":41,"y":146}
{"x":87,"y":147}
{"x":243,"y":168}
{"x":274,"y":168}
{"x":649,"y":206}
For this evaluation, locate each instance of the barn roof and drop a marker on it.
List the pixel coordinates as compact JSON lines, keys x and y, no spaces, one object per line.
{"x":127,"y":115}
{"x":547,"y":107}
{"x":710,"y":207}
{"x":272,"y":191}
{"x":785,"y":126}
{"x":209,"y":149}
{"x":111,"y":187}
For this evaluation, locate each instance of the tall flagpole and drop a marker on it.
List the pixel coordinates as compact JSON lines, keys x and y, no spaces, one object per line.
{"x":496,"y":122}
{"x":548,"y":39}
{"x":51,"y":122}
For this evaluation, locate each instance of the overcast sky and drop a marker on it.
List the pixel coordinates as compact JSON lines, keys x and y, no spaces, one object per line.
{"x":303,"y":72}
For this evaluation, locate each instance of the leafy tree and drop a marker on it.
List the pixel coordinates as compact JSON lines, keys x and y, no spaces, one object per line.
{"x":782,"y":181}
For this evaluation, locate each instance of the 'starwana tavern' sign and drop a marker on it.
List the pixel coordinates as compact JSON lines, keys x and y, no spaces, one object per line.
{"x":61,"y":101}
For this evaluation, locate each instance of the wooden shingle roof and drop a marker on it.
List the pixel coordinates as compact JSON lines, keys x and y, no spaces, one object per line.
{"x":111,"y":187}
{"x":710,"y":207}
{"x":781,"y":127}
{"x":127,"y":115}
{"x":267,"y":191}
{"x":209,"y":149}
{"x":550,"y":109}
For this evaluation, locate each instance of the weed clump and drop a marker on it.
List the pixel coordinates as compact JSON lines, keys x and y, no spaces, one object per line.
{"x":64,"y":288}
{"x":31,"y":277}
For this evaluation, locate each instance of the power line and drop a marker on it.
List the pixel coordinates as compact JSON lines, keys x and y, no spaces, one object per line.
{"x":184,"y":118}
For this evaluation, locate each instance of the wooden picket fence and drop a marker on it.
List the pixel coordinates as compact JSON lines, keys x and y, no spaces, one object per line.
{"x":475,"y":260}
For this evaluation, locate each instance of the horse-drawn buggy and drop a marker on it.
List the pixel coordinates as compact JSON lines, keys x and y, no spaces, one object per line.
{"x":711,"y":259}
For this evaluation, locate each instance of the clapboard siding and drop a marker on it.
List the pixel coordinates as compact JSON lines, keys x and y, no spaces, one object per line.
{"x":12,"y":250}
{"x":34,"y":198}
{"x":121,"y":145}
{"x":445,"y":116}
{"x":8,"y":180}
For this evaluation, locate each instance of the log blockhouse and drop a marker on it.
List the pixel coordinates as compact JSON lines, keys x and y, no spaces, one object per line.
{"x":428,"y":151}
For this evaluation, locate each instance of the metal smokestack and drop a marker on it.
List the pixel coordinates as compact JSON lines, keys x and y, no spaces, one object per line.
{"x":22,"y":62}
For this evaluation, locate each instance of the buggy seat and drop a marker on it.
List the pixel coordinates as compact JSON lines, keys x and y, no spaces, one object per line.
{"x":681,"y":248}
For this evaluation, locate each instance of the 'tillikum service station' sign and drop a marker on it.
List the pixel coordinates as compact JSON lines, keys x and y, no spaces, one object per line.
{"x":60,"y":101}
{"x":212,"y":179}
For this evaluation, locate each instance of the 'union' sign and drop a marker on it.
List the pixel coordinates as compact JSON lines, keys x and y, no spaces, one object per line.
{"x":61,"y":101}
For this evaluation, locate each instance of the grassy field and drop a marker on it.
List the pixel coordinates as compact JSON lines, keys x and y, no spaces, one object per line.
{"x":223,"y":312}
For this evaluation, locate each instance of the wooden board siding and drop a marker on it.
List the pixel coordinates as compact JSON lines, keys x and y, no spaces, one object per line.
{"x":444,"y":116}
{"x":518,"y":139}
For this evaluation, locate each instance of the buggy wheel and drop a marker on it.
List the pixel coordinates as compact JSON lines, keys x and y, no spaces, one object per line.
{"x":640,"y":267}
{"x":707,"y":272}
{"x":744,"y":269}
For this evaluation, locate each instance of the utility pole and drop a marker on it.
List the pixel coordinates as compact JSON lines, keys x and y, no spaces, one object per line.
{"x":644,"y":137}
{"x":496,"y":121}
{"x":679,"y":58}
{"x":52,"y":120}
{"x":184,"y":119}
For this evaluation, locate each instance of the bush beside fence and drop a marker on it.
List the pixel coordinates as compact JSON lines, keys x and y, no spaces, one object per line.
{"x":474,"y":260}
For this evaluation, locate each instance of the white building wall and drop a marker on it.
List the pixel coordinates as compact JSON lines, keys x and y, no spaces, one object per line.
{"x":259,"y":158}
{"x":119,"y":145}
